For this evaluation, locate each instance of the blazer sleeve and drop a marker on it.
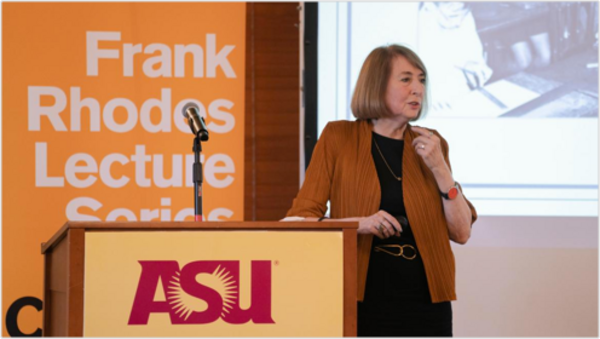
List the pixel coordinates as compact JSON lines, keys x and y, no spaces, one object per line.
{"x":312,"y":198}
{"x":445,"y":149}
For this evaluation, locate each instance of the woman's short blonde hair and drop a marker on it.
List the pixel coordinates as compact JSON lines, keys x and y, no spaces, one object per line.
{"x":368,"y":101}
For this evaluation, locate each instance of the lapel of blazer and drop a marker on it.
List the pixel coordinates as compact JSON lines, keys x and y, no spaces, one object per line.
{"x":369,"y":189}
{"x":369,"y":198}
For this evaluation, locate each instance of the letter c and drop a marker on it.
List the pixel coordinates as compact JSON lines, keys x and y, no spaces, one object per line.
{"x":12,"y":326}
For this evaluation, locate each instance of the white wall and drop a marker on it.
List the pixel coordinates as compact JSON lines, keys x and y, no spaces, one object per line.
{"x":528,"y":277}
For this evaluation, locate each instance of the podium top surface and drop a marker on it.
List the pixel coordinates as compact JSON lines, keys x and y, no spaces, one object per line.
{"x":193,"y":225}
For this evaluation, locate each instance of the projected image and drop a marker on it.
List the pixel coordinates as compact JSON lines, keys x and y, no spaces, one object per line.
{"x":513,"y":87}
{"x":521,"y":59}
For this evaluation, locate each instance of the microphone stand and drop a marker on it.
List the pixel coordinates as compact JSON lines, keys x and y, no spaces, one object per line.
{"x":197,"y":179}
{"x":200,"y":132}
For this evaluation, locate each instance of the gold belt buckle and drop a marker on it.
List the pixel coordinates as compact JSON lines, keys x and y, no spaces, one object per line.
{"x":382,"y":248}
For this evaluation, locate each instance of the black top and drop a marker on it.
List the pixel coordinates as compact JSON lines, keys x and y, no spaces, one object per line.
{"x":397,"y":300}
{"x":390,"y":276}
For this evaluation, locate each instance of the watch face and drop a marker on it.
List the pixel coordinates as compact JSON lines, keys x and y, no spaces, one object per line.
{"x":453,"y":193}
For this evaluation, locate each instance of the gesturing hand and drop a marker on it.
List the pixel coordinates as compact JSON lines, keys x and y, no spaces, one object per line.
{"x":381,"y":224}
{"x":427,"y":145}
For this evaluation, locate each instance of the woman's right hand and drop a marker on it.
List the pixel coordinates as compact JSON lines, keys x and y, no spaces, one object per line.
{"x":382,"y":224}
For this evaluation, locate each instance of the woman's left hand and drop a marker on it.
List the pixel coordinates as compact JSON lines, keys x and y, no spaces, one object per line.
{"x":427,"y":145}
{"x":458,"y":214}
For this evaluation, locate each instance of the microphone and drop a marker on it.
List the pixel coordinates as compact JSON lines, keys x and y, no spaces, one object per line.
{"x":196,"y":122}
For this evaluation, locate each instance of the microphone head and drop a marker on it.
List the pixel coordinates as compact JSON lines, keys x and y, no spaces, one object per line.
{"x":187,"y":106}
{"x":191,"y":113}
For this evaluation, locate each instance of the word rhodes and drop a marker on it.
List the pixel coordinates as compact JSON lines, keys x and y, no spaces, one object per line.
{"x":201,"y":292}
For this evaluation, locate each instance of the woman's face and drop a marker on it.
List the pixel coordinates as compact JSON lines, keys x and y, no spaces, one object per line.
{"x":406,"y":86}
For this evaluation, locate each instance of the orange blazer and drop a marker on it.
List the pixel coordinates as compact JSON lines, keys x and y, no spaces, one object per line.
{"x":342,"y":171}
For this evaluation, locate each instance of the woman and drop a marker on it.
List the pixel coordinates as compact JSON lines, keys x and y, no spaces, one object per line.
{"x":395,"y":180}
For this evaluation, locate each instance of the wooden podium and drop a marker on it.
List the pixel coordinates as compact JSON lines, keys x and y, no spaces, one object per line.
{"x":197,"y":279}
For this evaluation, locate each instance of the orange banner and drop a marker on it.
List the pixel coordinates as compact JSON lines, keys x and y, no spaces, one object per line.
{"x":213,"y":284}
{"x":93,"y":129}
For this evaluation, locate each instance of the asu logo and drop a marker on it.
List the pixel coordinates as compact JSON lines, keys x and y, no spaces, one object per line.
{"x":202,"y":292}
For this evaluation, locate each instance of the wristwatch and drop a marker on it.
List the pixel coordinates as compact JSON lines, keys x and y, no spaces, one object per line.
{"x":452,"y":192}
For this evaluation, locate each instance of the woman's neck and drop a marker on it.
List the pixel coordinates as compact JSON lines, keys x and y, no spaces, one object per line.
{"x":390,"y":128}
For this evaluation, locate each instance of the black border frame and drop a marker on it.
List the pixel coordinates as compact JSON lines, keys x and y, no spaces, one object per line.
{"x":310,"y":78}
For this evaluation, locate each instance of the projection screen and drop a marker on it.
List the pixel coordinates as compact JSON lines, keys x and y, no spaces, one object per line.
{"x":513,"y":88}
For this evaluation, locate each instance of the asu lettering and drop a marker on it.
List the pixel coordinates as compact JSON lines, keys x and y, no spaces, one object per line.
{"x":202,"y":292}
